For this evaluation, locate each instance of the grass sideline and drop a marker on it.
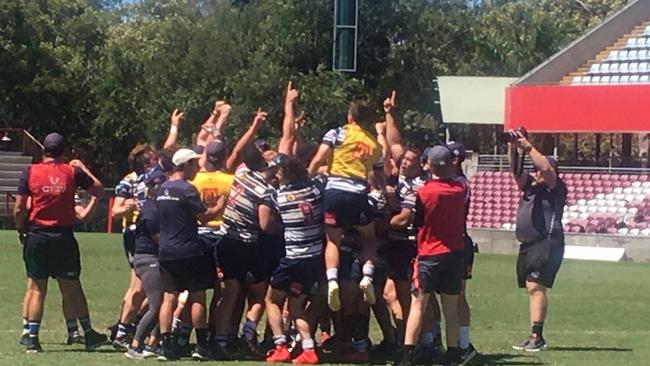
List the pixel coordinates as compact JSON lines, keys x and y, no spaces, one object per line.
{"x":598,"y":311}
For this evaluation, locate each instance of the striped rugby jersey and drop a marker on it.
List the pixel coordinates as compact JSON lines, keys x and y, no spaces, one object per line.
{"x":301,"y":209}
{"x":406,"y":195}
{"x":240,"y":218}
{"x":355,"y":152}
{"x":132,"y":186}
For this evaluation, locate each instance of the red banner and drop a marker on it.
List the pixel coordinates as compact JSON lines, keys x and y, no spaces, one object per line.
{"x":567,"y":108}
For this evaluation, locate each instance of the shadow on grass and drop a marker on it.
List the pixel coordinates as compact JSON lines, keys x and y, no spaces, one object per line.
{"x":504,"y":359}
{"x":590,"y":349}
{"x":70,"y":350}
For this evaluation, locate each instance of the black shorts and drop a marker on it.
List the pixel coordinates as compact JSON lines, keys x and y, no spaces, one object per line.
{"x":247,"y":262}
{"x":441,"y":273}
{"x":128,"y":241}
{"x":193,"y":274}
{"x":299,"y":276}
{"x":51,"y":254}
{"x":346,"y":209}
{"x":400,"y":255}
{"x":539,"y":262}
{"x":468,"y":257}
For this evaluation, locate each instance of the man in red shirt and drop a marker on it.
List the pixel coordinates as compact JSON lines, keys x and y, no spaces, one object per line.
{"x":439,"y":219}
{"x":50,"y":249}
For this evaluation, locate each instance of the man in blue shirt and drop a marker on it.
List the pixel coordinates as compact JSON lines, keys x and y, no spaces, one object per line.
{"x":184,"y":262}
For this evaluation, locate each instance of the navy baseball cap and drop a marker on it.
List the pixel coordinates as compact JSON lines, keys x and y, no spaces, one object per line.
{"x":457,"y":150}
{"x":279,"y":159}
{"x":215,"y":154}
{"x":155,"y":177}
{"x":551,"y":160}
{"x":439,"y":155}
{"x":199,"y":149}
{"x":425,"y":154}
{"x":262,"y":145}
{"x":54,"y":144}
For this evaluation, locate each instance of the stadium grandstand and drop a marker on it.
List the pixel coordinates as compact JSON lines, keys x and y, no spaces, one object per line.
{"x":584,"y":105}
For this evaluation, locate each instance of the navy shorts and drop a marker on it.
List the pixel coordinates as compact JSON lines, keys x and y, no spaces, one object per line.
{"x":299,"y":276}
{"x":468,"y":256}
{"x":193,"y":274}
{"x":400,"y":255}
{"x":248,"y":262}
{"x":442,"y":273}
{"x":51,"y":254}
{"x":346,"y":209}
{"x":539,"y":262}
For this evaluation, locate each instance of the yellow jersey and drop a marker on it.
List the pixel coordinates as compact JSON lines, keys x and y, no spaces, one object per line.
{"x":355,"y":152}
{"x":211,"y":185}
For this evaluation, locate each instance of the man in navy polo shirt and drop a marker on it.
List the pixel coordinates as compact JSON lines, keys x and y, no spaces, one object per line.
{"x":184,"y":261}
{"x":50,"y":249}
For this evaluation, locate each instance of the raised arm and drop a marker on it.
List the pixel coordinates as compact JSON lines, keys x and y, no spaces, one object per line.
{"x":299,"y":142}
{"x":288,"y":123}
{"x":539,"y":161}
{"x":85,"y":213}
{"x":96,"y":188}
{"x":245,"y":139}
{"x":212,"y":128}
{"x":393,"y":136}
{"x":172,"y":136}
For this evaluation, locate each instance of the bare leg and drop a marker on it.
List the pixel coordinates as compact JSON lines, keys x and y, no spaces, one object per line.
{"x":419,"y":304}
{"x":450,"y":308}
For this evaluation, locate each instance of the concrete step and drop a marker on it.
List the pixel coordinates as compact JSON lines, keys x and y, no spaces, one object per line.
{"x":12,"y":159}
{"x":8,"y":182}
{"x":10,"y":174}
{"x":12,"y":167}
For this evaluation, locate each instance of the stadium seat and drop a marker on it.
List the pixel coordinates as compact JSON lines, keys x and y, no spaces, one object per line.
{"x":631,"y":43}
{"x":642,"y":55}
{"x":622,"y":231}
{"x":577,"y":80}
{"x":634,"y":79}
{"x":644,"y":79}
{"x":646,"y":32}
{"x":624,"y":79}
{"x":632,"y":55}
{"x":594,"y":69}
{"x":622,"y":55}
{"x":623,"y":68}
{"x":613,"y":56}
{"x":643,"y":67}
{"x":641,"y":42}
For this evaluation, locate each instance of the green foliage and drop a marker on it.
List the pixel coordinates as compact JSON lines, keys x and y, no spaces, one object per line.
{"x":107,"y":73}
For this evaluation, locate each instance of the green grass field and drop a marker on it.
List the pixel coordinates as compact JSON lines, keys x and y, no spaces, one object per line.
{"x":598,"y":312}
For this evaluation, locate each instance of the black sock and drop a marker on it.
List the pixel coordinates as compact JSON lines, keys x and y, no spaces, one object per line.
{"x":538,"y":328}
{"x":409,"y":351}
{"x":166,"y":339}
{"x":71,"y":324}
{"x":202,"y":337}
{"x":85,"y":324}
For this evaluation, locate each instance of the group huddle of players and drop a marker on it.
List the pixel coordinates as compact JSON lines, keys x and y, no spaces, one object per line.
{"x":313,"y":237}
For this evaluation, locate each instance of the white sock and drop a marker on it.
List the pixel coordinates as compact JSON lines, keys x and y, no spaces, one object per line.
{"x":332,"y":274}
{"x":464,"y":337}
{"x":368,"y":269}
{"x":308,"y":343}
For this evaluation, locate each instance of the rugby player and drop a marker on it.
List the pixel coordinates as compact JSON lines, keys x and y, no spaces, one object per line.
{"x":352,"y":151}
{"x":299,"y":204}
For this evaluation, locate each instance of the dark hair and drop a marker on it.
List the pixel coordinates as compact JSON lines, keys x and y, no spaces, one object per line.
{"x":414,"y":150}
{"x":360,"y":111}
{"x":294,"y":170}
{"x":252,"y":157}
{"x":139,"y":156}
